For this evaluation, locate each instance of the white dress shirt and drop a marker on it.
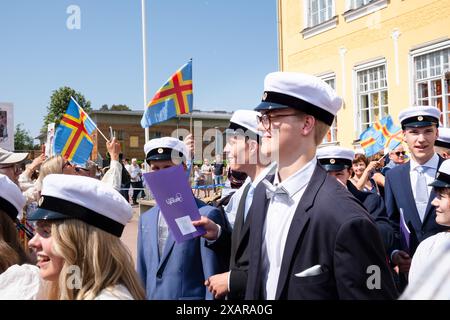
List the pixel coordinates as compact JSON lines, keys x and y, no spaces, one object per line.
{"x":279,"y":216}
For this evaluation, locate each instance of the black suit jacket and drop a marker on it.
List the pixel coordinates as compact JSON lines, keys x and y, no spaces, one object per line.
{"x":330,"y":228}
{"x":236,"y":239}
{"x":239,"y":254}
{"x":374,"y":204}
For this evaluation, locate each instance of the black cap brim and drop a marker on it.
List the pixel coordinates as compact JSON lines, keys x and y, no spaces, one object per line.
{"x":439,"y":184}
{"x":419,"y":124}
{"x":159,"y":157}
{"x":44,"y":214}
{"x":270,"y":106}
{"x":334,"y":167}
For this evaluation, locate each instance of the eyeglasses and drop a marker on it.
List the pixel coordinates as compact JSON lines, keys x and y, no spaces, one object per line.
{"x":66,"y":164}
{"x":16,"y":167}
{"x":78,"y":169}
{"x":266,"y":119}
{"x":400,"y":153}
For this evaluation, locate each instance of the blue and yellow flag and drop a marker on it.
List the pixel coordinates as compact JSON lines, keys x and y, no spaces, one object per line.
{"x":382,"y":134}
{"x":371,"y":141}
{"x":392,"y":133}
{"x":172,"y":99}
{"x":72,"y":137}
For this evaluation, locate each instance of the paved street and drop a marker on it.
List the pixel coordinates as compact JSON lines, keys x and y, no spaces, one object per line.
{"x":129,"y":236}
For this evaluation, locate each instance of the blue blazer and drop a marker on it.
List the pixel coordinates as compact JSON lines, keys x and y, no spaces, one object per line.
{"x":179,"y":273}
{"x":398,"y":194}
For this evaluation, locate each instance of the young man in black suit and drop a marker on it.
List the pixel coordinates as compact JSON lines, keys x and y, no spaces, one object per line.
{"x":310,"y":238}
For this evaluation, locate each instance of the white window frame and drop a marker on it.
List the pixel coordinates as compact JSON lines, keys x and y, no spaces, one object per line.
{"x":328,"y":77}
{"x":357,"y":95}
{"x":328,"y":23}
{"x":352,"y":13}
{"x":440,"y":51}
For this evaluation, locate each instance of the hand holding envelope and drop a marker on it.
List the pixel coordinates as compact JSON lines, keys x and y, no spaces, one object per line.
{"x":176,"y":201}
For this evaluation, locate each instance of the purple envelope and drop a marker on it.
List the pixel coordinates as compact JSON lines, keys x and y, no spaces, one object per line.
{"x":173,"y":194}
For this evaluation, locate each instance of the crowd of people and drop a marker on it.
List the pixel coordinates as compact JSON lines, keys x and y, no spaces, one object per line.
{"x":316,"y":222}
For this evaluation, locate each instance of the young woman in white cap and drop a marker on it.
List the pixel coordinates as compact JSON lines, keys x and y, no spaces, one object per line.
{"x":77,"y":242}
{"x":11,"y":202}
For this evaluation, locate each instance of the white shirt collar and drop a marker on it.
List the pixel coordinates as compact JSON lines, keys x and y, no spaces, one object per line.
{"x":433,"y":163}
{"x":298,"y":180}
{"x":266,"y":171}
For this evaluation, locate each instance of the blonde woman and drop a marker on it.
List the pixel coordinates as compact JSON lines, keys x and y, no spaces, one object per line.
{"x":77,"y":242}
{"x":11,"y":203}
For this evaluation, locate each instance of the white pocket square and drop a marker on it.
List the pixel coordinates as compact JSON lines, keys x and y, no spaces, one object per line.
{"x":313,"y":271}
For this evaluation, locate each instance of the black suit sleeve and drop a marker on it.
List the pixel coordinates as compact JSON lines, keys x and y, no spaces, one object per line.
{"x":238,"y":283}
{"x":377,"y":211}
{"x":357,"y":254}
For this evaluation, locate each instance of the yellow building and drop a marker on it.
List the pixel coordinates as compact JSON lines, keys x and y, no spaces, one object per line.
{"x":381,"y":56}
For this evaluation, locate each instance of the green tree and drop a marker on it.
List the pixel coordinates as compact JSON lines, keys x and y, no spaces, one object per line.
{"x":59,"y":101}
{"x":104,"y":107}
{"x":22,"y":138}
{"x":120,"y":107}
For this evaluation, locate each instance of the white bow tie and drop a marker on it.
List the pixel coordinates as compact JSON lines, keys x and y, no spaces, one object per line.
{"x":272,"y":191}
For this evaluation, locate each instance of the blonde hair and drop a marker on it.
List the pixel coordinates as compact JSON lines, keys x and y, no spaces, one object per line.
{"x":52,"y":165}
{"x":11,"y":251}
{"x":103,"y":259}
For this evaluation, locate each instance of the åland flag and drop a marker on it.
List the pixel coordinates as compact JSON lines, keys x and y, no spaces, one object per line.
{"x":72,"y":137}
{"x":392,"y":133}
{"x":372,"y":141}
{"x":172,"y":99}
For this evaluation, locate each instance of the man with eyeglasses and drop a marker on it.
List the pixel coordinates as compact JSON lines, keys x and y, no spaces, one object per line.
{"x":397,"y":156}
{"x":310,"y":238}
{"x":11,"y":164}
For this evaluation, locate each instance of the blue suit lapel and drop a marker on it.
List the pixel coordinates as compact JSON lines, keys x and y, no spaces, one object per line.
{"x":170,"y":242}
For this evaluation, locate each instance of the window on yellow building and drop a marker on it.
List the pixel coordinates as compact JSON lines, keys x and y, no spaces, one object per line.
{"x":359,"y":3}
{"x":332,"y":133}
{"x":432,"y":86}
{"x":372,"y":95}
{"x":319,"y":11}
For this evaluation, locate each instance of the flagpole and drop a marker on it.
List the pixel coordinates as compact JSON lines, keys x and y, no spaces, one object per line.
{"x":95,"y":125}
{"x":144,"y":57}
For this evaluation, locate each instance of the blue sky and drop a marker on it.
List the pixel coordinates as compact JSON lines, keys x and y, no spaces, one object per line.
{"x":233,"y":44}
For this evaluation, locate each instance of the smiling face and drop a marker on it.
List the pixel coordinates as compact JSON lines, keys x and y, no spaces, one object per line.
{"x":49,"y":263}
{"x":237,"y":151}
{"x":421,"y":142}
{"x":358,"y":168}
{"x":442,"y":204}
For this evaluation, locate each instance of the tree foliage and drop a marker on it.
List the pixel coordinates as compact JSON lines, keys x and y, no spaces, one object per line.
{"x":23,"y":140}
{"x":120,"y":107}
{"x":59,"y":101}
